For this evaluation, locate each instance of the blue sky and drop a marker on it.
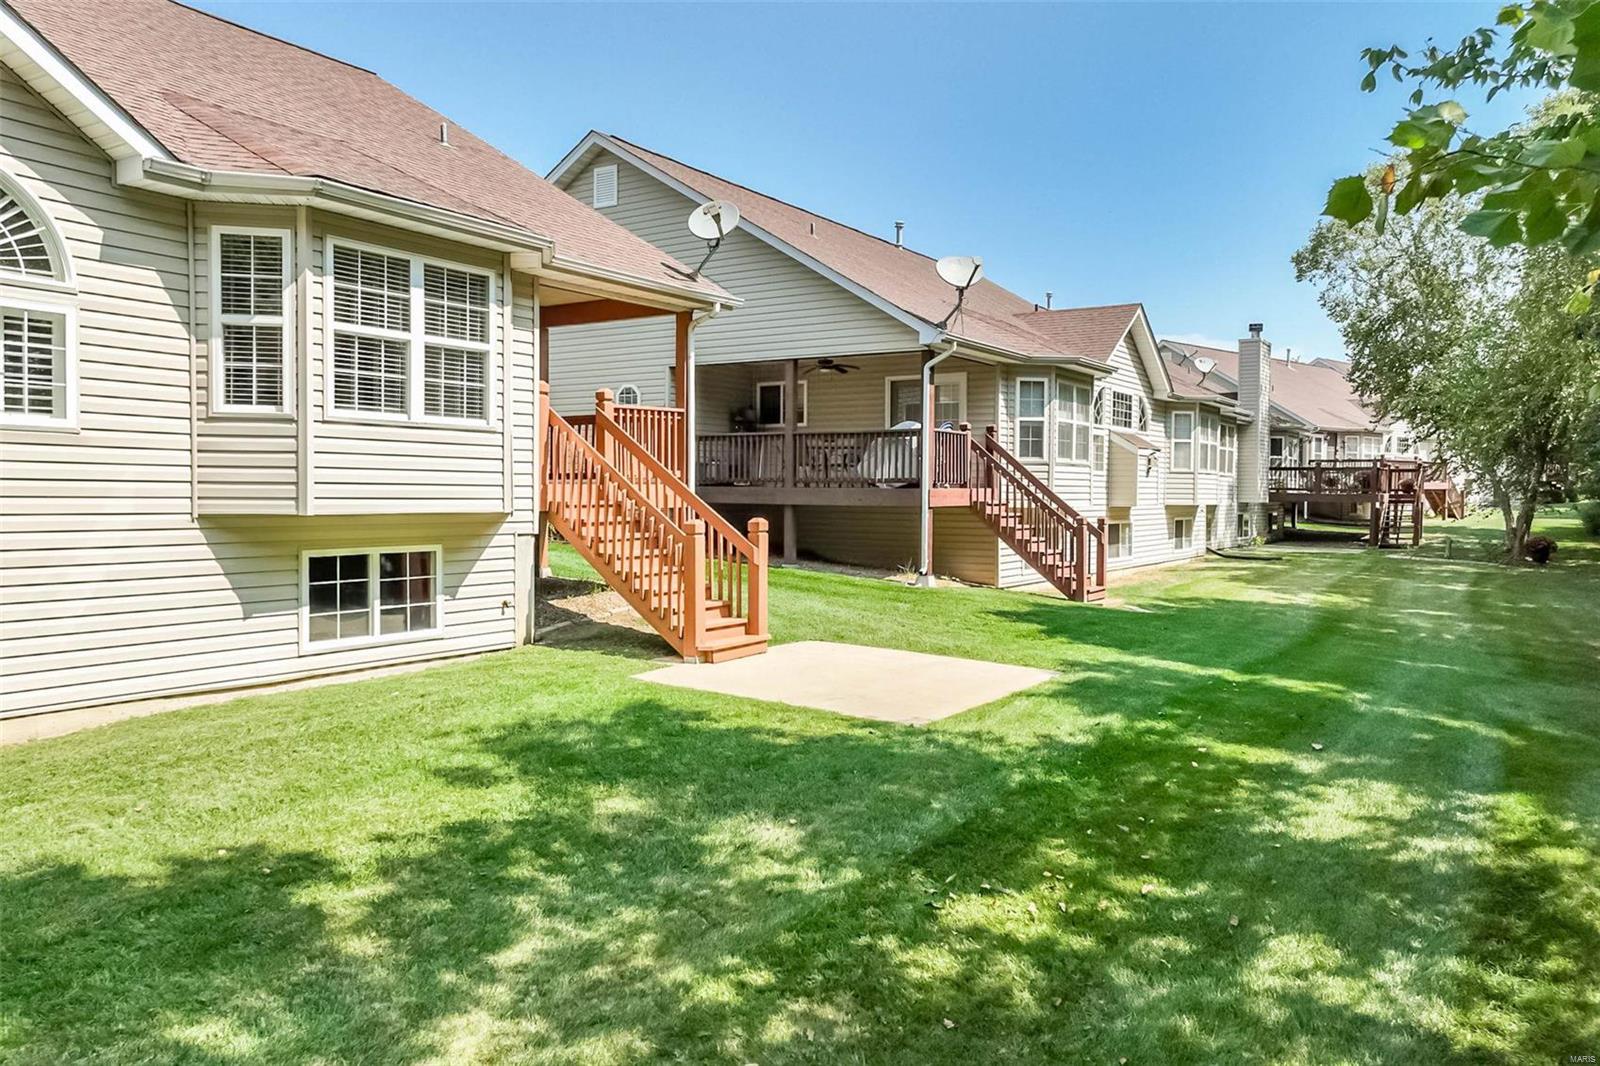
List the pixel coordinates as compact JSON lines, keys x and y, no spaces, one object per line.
{"x":1175,"y":154}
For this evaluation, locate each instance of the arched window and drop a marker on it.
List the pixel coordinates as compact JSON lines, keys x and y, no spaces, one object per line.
{"x":38,"y":316}
{"x":628,"y":394}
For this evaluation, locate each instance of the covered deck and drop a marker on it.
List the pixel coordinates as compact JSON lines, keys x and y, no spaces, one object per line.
{"x":851,"y":468}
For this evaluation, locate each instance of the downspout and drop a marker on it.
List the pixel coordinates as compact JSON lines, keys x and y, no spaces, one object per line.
{"x":194,"y":377}
{"x":925,"y":488}
{"x":691,"y":451}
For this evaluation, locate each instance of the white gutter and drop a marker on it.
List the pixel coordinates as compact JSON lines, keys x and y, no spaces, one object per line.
{"x":532,"y":252}
{"x":925,"y":490}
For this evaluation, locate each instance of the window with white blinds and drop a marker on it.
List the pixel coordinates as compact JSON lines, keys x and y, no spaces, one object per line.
{"x":1073,"y":422}
{"x":34,"y":350}
{"x":250,"y":288}
{"x":456,"y":334}
{"x":23,"y":248}
{"x":411,"y":338}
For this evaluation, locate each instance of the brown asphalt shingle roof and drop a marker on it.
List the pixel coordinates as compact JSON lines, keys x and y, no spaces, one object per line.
{"x":221,"y":96}
{"x":1316,"y":394}
{"x":990,"y":316}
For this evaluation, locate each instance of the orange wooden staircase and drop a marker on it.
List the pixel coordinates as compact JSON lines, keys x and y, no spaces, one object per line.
{"x":1064,"y":547}
{"x":686,"y":570}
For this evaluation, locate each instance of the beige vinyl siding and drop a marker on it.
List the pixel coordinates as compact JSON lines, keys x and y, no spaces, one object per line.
{"x":609,"y":355}
{"x":789,"y":310}
{"x":722,"y":390}
{"x":857,"y":400}
{"x":886,"y":538}
{"x":109,"y":590}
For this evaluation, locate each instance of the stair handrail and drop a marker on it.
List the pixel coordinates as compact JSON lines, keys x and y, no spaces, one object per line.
{"x":736,"y":565}
{"x":680,"y":619}
{"x":991,"y":444}
{"x":1079,"y":529}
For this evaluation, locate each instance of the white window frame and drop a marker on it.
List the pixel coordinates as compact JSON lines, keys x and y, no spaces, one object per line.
{"x":1100,"y":451}
{"x":1122,"y":547}
{"x":638,"y":395}
{"x":308,"y":647}
{"x":1229,"y":449}
{"x":1043,"y":418}
{"x":1068,"y":424}
{"x":783,"y":403}
{"x":62,"y":280}
{"x":65,"y":309}
{"x":415,"y":339}
{"x":595,"y":199}
{"x":1111,"y":409}
{"x":1209,"y":439}
{"x":1180,"y":466}
{"x":1185,"y":542}
{"x":957,"y":378}
{"x":285,"y":321}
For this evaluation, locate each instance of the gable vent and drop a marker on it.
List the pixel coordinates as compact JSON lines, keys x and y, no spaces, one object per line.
{"x":605,"y":186}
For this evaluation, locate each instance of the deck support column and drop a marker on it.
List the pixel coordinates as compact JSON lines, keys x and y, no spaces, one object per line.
{"x":791,"y":407}
{"x":791,"y":534}
{"x":682,"y":385}
{"x":925,"y":482}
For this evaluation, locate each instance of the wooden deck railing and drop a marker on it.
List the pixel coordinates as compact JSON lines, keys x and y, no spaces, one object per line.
{"x":1347,"y":477}
{"x":677,"y":562}
{"x":874,"y":458}
{"x":659,"y":430}
{"x":735,"y":566}
{"x":643,"y":552}
{"x":1056,"y":540}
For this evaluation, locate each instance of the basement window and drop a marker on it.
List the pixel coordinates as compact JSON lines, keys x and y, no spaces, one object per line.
{"x":1119,"y":540}
{"x":1182,"y":534}
{"x":366,"y":596}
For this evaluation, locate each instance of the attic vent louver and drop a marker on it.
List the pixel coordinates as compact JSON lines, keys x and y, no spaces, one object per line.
{"x":605,"y":186}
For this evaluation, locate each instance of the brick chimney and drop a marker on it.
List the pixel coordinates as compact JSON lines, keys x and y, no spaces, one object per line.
{"x":1255,"y":392}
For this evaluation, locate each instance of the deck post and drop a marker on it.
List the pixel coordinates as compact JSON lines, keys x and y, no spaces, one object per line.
{"x":1100,"y":553}
{"x":541,"y":480}
{"x":756,"y":623}
{"x":694,"y":588}
{"x":791,"y":533}
{"x":605,"y":403}
{"x":682,"y":374}
{"x":791,"y":406}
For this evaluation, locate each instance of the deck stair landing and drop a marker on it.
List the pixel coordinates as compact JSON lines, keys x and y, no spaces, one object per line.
{"x":699,"y":582}
{"x":1066,"y":549}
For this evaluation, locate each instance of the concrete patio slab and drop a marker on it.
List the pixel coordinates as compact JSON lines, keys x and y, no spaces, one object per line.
{"x":879,"y":683}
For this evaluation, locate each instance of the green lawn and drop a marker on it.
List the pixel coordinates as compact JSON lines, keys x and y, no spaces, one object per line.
{"x":1340,"y":807}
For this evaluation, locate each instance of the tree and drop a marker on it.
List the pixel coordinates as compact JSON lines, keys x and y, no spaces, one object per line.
{"x":1540,"y":180}
{"x":1466,"y":341}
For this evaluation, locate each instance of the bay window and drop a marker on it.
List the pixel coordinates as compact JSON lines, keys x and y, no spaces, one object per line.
{"x":1032,"y":399}
{"x":1073,"y":422}
{"x":1182,"y":441}
{"x":250,"y":335}
{"x":1210,"y":443}
{"x":411,"y":339}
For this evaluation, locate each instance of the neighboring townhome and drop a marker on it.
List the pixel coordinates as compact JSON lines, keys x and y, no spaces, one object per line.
{"x":271,"y":338}
{"x":1317,"y":417}
{"x":850,"y":400}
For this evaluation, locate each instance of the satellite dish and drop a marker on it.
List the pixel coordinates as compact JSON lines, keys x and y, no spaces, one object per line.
{"x":960,"y":271}
{"x":1205,"y":365}
{"x":714,"y":220}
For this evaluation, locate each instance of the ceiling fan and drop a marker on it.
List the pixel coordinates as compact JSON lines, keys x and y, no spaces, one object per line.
{"x":829,"y":366}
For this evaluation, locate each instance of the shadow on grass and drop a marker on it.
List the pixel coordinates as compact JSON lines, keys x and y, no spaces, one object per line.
{"x":661,"y":883}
